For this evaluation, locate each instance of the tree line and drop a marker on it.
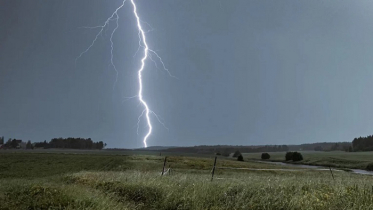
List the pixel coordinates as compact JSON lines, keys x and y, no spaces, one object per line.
{"x":63,"y":143}
{"x":71,"y":143}
{"x":363,"y":144}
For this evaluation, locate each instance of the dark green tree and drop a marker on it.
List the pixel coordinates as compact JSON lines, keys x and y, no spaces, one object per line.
{"x":297,"y":156}
{"x":265,"y":156}
{"x":240,"y":158}
{"x":14,"y":143}
{"x":289,"y":156}
{"x":28,"y":145}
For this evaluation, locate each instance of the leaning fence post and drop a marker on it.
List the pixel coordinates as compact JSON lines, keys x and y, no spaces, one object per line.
{"x":213,"y":169}
{"x":331,"y":172}
{"x":164,"y":164}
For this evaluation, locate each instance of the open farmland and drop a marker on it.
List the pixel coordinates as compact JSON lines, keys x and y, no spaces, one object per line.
{"x":101,"y":181}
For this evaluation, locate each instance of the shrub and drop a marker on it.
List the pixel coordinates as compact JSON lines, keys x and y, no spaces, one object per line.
{"x":236,"y":153}
{"x":297,"y":156}
{"x":289,"y":156}
{"x":218,"y":153}
{"x":265,"y":156}
{"x":240,"y":158}
{"x":369,"y":167}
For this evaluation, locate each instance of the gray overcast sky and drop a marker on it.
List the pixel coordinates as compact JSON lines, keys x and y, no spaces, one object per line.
{"x":250,"y":72}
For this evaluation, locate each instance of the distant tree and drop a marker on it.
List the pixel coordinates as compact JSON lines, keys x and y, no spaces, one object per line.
{"x":289,"y":156}
{"x":14,"y":143}
{"x":2,"y":140}
{"x":240,"y":158}
{"x":218,"y":153}
{"x":297,"y":156}
{"x":236,"y":153}
{"x":265,"y":156}
{"x":28,"y":145}
{"x":100,"y":145}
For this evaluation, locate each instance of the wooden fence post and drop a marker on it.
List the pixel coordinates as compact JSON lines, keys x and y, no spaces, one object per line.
{"x":164,"y":164}
{"x":331,"y":172}
{"x":213,"y":169}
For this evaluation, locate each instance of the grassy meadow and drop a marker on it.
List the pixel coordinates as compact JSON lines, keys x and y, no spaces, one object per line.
{"x":100,"y":180}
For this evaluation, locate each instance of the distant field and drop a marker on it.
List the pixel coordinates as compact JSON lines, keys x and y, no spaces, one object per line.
{"x":339,"y":159}
{"x":119,"y":181}
{"x":106,"y":152}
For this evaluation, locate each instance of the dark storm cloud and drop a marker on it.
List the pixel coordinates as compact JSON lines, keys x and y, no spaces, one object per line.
{"x":250,"y":72}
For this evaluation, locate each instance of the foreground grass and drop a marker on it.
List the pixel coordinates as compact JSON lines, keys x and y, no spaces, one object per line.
{"x":134,"y":182}
{"x":147,"y":190}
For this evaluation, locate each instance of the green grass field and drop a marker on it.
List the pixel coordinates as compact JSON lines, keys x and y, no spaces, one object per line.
{"x":98,"y":180}
{"x":337,"y":159}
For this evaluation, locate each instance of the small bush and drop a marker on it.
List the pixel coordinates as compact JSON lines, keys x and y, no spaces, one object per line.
{"x":297,"y":156}
{"x":369,"y":167}
{"x":240,"y":158}
{"x":289,"y":156}
{"x":265,"y":156}
{"x":218,"y":153}
{"x":294,"y":156}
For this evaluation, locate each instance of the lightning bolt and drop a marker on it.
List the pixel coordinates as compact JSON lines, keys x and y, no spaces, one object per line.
{"x":147,"y":54}
{"x":146,"y":51}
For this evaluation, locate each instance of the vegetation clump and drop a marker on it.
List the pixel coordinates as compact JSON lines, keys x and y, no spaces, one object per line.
{"x":294,"y":156}
{"x":289,"y":156}
{"x":240,"y":158}
{"x":297,"y":156}
{"x":265,"y":156}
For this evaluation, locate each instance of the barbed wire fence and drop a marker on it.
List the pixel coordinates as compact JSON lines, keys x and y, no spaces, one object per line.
{"x":167,"y":171}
